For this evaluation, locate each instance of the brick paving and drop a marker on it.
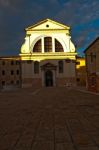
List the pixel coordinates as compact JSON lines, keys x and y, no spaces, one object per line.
{"x":49,"y":119}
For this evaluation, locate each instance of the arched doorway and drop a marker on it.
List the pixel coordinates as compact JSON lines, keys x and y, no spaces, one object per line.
{"x":48,"y":78}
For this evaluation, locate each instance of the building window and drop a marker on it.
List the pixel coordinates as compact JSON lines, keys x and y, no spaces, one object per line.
{"x":3,"y":62}
{"x":17,"y":72}
{"x":93,"y":81}
{"x":12,"y":82}
{"x":78,"y":80}
{"x":60,"y":65}
{"x":37,"y":46}
{"x":12,"y":62}
{"x":12,"y":72}
{"x":3,"y":72}
{"x":36,"y":67}
{"x":17,"y":82}
{"x":47,"y":25}
{"x":58,"y":46}
{"x":48,"y":44}
{"x":92,"y":56}
{"x":3,"y":83}
{"x":17,"y":62}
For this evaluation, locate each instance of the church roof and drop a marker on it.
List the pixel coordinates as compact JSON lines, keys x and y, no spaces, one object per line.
{"x":57,"y":24}
{"x":92,"y":43}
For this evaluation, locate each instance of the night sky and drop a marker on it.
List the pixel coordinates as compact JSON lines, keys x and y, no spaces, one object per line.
{"x":15,"y":15}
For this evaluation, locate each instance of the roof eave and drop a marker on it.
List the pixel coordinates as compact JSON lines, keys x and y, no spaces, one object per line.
{"x":91,"y":44}
{"x":29,"y":28}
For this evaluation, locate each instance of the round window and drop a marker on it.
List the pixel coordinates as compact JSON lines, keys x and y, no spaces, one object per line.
{"x":47,"y":25}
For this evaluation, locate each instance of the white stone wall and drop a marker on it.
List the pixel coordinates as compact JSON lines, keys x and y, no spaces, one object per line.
{"x":28,"y":69}
{"x":40,"y":31}
{"x":55,"y":30}
{"x":64,"y":39}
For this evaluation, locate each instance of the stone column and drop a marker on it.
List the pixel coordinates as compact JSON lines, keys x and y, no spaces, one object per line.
{"x":42,"y":42}
{"x":53,"y":44}
{"x":69,"y":38}
{"x":29,"y":35}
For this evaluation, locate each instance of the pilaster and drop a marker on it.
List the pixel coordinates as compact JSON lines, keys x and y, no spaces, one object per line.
{"x":42,"y":42}
{"x":53,"y":44}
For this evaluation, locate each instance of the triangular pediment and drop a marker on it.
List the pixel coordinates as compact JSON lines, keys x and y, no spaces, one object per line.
{"x":48,"y":24}
{"x":48,"y":66}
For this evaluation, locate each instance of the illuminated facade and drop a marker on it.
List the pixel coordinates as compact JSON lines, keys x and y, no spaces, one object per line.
{"x":92,"y":66}
{"x":47,"y":58}
{"x":80,"y":71}
{"x":48,"y":55}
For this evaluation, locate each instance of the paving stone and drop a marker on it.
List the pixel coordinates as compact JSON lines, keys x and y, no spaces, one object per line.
{"x":8,"y":141}
{"x":24,"y":143}
{"x":45,"y":135}
{"x":50,"y":119}
{"x":89,"y":148}
{"x":82,"y":140}
{"x":62,"y":135}
{"x":43,"y":146}
{"x":96,"y":139}
{"x":64,"y":146}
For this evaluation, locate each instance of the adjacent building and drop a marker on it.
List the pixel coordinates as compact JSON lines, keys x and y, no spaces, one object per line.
{"x":10,"y":72}
{"x":81,"y":71}
{"x":92,"y":66}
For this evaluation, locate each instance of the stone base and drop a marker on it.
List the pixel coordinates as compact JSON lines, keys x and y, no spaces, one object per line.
{"x":37,"y":82}
{"x":27,"y":82}
{"x":94,"y":87}
{"x":66,"y":82}
{"x":30,"y":82}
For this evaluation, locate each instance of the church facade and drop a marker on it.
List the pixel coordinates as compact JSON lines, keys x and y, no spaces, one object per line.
{"x":48,"y":56}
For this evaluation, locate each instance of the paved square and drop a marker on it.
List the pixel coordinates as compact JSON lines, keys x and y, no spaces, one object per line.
{"x":49,"y":119}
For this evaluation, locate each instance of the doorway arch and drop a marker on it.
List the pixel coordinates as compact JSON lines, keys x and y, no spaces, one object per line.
{"x":48,"y":78}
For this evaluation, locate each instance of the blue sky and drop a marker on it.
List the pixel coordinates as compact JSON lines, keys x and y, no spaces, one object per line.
{"x":81,"y":15}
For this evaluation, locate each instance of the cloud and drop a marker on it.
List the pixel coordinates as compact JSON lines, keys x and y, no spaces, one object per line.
{"x":82,"y":16}
{"x":4,"y":3}
{"x":15,"y":15}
